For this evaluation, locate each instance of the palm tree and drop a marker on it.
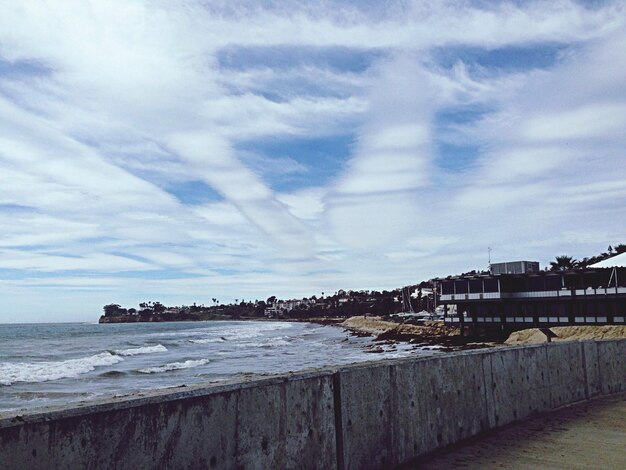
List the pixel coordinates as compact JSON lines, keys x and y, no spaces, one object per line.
{"x":563,"y":263}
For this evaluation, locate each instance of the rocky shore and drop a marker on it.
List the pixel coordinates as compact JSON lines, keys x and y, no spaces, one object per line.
{"x":430,"y":333}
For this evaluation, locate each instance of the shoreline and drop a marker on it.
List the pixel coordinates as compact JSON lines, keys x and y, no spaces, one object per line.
{"x":429,"y":333}
{"x":160,"y":318}
{"x":384,"y":332}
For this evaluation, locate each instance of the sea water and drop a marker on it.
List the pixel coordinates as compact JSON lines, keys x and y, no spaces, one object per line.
{"x":51,"y":364}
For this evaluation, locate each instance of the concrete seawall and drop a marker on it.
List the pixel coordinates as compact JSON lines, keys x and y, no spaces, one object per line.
{"x":370,"y":415}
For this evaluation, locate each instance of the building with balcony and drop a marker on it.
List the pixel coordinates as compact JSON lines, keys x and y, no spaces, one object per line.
{"x":544,"y":298}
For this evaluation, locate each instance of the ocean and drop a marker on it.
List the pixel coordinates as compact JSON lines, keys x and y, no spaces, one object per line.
{"x":53,"y":364}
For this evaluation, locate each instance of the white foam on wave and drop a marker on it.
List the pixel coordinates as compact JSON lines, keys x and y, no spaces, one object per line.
{"x":11,"y":373}
{"x":241,"y":331}
{"x":142,"y":350}
{"x":207,"y":340}
{"x":267,"y":343}
{"x":174,"y":366}
{"x":252,"y":330}
{"x":196,"y":332}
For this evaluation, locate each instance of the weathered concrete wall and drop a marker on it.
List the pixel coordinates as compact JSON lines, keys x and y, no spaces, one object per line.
{"x":396,"y":410}
{"x":286,"y":422}
{"x":518,"y":383}
{"x":566,"y":373}
{"x":612,"y":366}
{"x":371,"y":415}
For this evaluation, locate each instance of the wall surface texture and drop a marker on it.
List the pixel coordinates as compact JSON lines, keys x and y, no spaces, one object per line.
{"x":370,"y":415}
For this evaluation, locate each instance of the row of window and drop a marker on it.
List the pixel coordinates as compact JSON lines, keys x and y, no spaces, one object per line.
{"x":551,"y":320}
{"x":564,"y":308}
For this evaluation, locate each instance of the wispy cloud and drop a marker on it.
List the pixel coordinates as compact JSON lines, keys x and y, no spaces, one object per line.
{"x":189,"y":150}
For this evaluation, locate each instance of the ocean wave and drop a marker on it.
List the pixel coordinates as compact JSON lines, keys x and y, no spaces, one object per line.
{"x":207,"y":340}
{"x":242,"y":330}
{"x":174,"y":366}
{"x":142,"y":350}
{"x":174,"y":334}
{"x":113,"y":373}
{"x":11,"y":373}
{"x":267,"y":343}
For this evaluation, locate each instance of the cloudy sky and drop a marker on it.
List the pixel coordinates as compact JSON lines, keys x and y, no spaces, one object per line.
{"x":185,"y":150}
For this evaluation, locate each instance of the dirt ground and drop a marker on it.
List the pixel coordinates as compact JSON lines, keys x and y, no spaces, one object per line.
{"x":590,"y":435}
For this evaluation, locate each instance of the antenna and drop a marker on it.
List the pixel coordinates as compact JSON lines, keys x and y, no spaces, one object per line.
{"x":489,"y":251}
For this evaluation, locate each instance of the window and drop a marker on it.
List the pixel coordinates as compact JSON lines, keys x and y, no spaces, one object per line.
{"x":491,"y":285}
{"x":447,"y":287}
{"x":476,"y":286}
{"x":461,"y":286}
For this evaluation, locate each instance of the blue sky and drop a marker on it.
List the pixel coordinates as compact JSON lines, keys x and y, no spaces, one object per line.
{"x":180,"y":151}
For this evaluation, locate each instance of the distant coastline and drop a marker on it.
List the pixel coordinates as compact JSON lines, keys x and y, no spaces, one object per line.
{"x":340,"y":304}
{"x":168,"y":317}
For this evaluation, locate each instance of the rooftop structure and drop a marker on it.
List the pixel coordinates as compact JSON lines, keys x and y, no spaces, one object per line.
{"x":514,"y":267}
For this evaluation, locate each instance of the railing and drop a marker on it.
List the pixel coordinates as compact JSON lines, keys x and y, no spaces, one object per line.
{"x":602,"y":291}
{"x":472,"y":296}
{"x":588,"y":319}
{"x":535,"y":294}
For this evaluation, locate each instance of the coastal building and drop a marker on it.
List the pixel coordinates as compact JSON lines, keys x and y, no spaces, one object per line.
{"x":593,"y":295}
{"x":285,"y":306}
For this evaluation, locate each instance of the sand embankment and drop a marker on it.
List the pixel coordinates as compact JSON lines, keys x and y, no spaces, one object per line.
{"x":567,"y":333}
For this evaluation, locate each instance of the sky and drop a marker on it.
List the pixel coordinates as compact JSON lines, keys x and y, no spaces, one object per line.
{"x":187,"y":150}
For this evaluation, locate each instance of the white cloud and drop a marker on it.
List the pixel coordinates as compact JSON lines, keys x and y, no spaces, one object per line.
{"x":46,"y":262}
{"x":129,"y":96}
{"x":305,"y":204}
{"x":591,"y":121}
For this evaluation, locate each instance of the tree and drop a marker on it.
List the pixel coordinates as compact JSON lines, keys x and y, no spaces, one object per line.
{"x":260,"y":308}
{"x":158,"y":307}
{"x":111,"y":310}
{"x":563,"y":263}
